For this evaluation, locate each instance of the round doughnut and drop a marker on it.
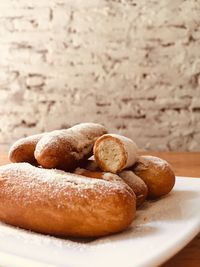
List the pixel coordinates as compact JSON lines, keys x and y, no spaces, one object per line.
{"x":58,"y":203}
{"x":114,"y":152}
{"x":23,"y":149}
{"x":65,"y":149}
{"x":157,"y":175}
{"x":136,"y":184}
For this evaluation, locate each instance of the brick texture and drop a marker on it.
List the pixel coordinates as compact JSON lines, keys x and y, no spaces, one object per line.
{"x":131,"y":65}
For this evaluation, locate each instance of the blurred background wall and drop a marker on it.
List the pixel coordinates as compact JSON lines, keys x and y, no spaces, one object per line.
{"x":132,"y":65}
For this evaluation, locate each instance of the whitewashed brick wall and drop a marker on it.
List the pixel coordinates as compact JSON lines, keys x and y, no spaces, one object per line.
{"x":132,"y":65}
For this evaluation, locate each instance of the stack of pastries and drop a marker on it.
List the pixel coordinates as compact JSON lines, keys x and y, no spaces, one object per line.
{"x":55,"y":187}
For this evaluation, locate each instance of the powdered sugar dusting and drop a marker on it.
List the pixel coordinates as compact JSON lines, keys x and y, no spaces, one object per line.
{"x":144,"y":163}
{"x":24,"y":179}
{"x":27,"y":141}
{"x":136,"y":184}
{"x":108,"y":176}
{"x":78,"y":139}
{"x":132,"y":179}
{"x":32,"y":139}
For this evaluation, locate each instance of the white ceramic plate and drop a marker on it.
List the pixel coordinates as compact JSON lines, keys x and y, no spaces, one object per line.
{"x":160,"y":230}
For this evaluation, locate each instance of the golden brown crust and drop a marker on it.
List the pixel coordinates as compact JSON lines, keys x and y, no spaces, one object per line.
{"x":156,"y":173}
{"x":108,"y":176}
{"x":91,"y":169}
{"x":63,"y":204}
{"x":136,"y":184}
{"x":88,"y":173}
{"x":23,"y":149}
{"x":91,"y":165}
{"x":65,"y":149}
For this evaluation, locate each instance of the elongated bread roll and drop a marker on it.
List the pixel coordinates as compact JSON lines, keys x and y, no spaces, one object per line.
{"x":157,"y":175}
{"x":64,"y":204}
{"x":114,"y":153}
{"x":65,"y":149}
{"x":136,"y":184}
{"x":23,"y":149}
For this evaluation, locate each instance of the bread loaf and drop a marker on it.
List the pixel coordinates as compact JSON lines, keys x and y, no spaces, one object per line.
{"x":63,"y":204}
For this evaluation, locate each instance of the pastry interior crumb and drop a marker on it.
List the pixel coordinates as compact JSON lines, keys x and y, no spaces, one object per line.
{"x":110,"y":153}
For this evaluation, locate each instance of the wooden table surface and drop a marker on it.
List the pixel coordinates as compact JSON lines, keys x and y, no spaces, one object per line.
{"x":184,"y":164}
